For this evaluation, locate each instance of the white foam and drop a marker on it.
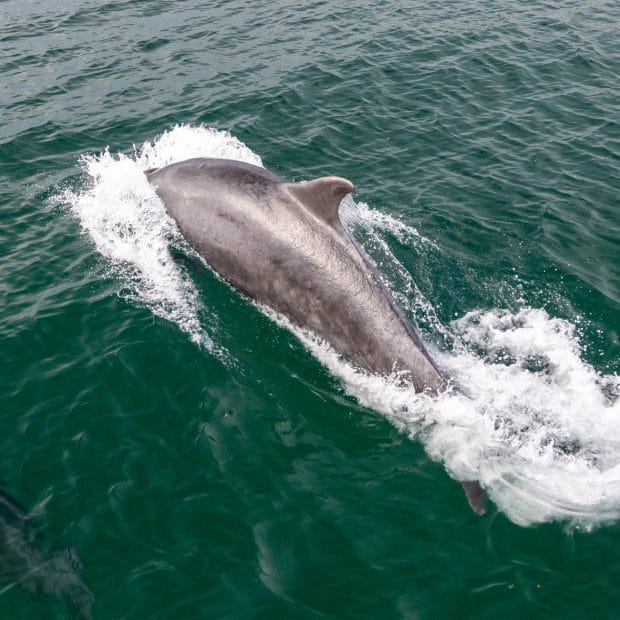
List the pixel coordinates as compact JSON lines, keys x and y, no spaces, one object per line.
{"x":185,"y":142}
{"x":367,"y":225}
{"x":359,"y":213}
{"x":128,"y":223}
{"x":537,"y":426}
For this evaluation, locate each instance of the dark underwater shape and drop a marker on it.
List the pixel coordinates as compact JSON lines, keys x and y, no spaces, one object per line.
{"x":23,"y":562}
{"x":283,"y":245}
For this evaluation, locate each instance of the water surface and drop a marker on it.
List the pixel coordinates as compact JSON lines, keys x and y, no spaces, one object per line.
{"x":206,"y":460}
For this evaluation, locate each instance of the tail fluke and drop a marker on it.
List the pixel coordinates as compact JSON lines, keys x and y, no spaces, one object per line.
{"x":475,"y":496}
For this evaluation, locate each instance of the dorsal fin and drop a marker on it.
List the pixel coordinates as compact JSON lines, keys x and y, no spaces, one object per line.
{"x":322,"y":196}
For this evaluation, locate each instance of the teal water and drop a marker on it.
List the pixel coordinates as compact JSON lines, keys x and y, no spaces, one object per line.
{"x":205,"y":460}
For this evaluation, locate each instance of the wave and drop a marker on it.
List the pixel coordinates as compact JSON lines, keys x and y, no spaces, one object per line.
{"x":533,"y":422}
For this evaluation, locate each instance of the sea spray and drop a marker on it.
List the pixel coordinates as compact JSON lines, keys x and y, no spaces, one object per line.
{"x":128,"y":223}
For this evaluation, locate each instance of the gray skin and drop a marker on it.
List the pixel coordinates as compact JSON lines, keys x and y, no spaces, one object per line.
{"x":24,"y":563}
{"x":283,"y":245}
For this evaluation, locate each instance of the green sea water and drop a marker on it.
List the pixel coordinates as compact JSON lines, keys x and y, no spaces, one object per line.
{"x":204,"y":460}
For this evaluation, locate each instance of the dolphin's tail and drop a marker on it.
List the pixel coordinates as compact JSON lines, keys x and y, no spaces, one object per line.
{"x":475,"y":496}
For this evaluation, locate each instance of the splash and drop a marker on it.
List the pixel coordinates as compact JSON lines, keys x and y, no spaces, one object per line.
{"x":355,"y":214}
{"x":538,"y":427}
{"x":535,"y":424}
{"x":127,"y":222}
{"x":367,"y":225}
{"x":184,"y":142}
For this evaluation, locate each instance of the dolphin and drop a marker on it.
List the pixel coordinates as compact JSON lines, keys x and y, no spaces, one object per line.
{"x":23,"y":562}
{"x":283,"y":244}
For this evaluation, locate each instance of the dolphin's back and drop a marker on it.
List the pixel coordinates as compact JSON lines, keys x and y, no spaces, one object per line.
{"x":283,"y":244}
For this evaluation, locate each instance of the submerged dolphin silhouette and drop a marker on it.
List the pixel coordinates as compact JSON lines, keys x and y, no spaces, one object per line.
{"x":23,"y":562}
{"x":283,"y":244}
